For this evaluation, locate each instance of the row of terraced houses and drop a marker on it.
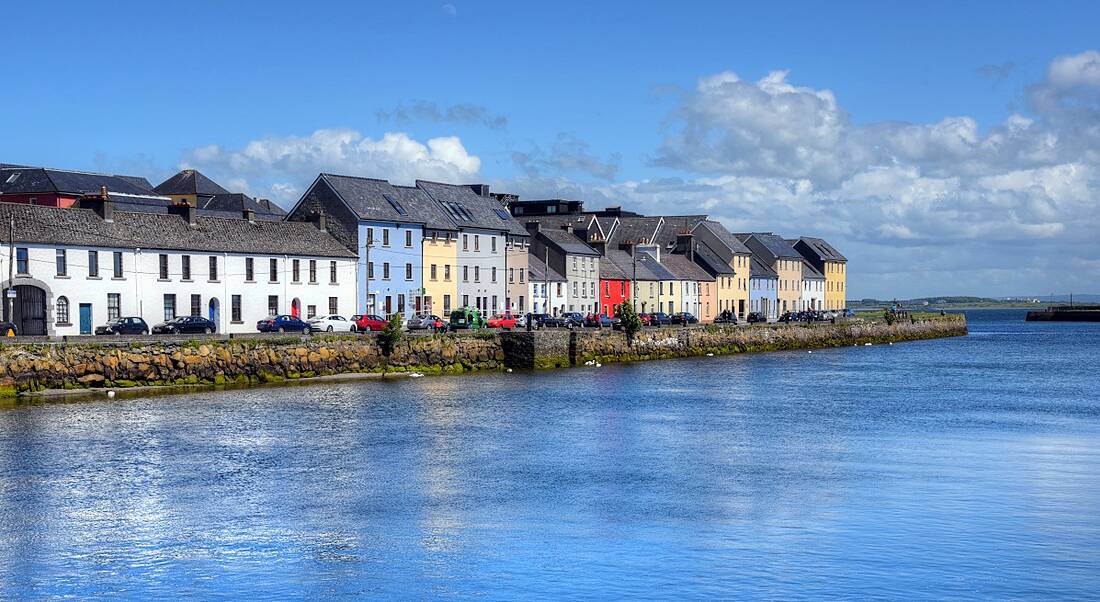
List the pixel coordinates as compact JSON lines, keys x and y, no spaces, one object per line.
{"x":84,"y":248}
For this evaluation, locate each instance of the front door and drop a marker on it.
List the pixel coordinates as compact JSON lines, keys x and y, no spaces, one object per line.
{"x":85,"y":318}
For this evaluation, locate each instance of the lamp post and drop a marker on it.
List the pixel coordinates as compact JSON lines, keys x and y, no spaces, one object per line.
{"x":8,"y":299}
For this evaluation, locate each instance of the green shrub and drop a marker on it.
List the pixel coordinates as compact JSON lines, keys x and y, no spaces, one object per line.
{"x":629,"y":320}
{"x":390,"y":335}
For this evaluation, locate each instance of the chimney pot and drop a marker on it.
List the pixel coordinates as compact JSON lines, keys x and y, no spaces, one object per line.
{"x":250,"y":215}
{"x":184,"y":210}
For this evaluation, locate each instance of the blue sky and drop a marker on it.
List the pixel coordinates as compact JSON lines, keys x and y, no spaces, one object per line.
{"x":890,"y":128}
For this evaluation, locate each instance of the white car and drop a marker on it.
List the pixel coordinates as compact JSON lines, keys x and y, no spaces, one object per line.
{"x":331,"y":323}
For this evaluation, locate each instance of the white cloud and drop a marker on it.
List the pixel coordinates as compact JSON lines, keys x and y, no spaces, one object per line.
{"x":279,"y":167}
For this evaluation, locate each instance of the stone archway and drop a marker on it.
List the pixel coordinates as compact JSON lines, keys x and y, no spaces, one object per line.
{"x":33,"y":307}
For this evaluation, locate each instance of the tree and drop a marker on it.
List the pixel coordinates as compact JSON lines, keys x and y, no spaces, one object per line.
{"x":390,"y":335}
{"x":629,"y":321}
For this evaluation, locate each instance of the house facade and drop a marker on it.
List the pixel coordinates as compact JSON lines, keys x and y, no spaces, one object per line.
{"x":484,"y":228}
{"x":813,"y":288}
{"x":518,"y":298}
{"x":547,"y":289}
{"x":781,"y":257}
{"x":825,"y":258}
{"x":568,"y":255}
{"x":78,"y":267}
{"x":763,"y":289}
{"x":734,"y":294}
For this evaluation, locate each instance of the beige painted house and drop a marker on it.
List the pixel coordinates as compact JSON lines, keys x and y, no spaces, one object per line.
{"x":827,"y":260}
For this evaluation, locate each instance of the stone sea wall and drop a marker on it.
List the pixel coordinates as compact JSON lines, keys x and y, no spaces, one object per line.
{"x":146,"y":361}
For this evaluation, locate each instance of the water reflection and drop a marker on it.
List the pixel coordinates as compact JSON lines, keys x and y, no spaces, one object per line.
{"x":954,"y":468}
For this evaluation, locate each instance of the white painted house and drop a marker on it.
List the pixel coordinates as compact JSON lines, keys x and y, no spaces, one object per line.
{"x":813,"y":288}
{"x":76,"y":268}
{"x":547,"y":289}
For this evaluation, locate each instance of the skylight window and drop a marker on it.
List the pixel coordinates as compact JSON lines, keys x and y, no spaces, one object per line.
{"x":13,"y":177}
{"x":396,"y":206}
{"x":502,"y":214}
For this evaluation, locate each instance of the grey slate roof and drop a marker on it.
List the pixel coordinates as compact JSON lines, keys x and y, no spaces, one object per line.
{"x":759,"y":269}
{"x":566,"y":242}
{"x":616,"y":265}
{"x":774,"y":243}
{"x":635,"y":229}
{"x":721,"y":233}
{"x":537,"y":271}
{"x":367,"y":198}
{"x":30,"y":180}
{"x":420,"y":203}
{"x":809,"y":272}
{"x":672,"y":225}
{"x":233,"y":204}
{"x":38,"y":224}
{"x":653,"y":268}
{"x":577,"y":221}
{"x":710,"y":261}
{"x":826,"y":251}
{"x":684,"y":268}
{"x":484,"y":212}
{"x":190,"y":181}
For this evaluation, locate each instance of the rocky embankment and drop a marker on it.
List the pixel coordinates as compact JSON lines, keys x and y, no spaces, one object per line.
{"x":32,"y":367}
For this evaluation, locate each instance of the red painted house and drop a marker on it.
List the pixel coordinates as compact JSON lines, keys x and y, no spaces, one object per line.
{"x":614,"y":282}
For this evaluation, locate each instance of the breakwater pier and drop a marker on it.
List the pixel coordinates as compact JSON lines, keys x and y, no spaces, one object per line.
{"x":120,"y":362}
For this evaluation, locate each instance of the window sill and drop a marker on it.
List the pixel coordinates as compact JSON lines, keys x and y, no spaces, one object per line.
{"x":61,"y":277}
{"x":250,"y":282}
{"x":116,"y":278}
{"x":95,"y":278}
{"x":295,"y":281}
{"x":186,"y":280}
{"x":334,"y":284}
{"x":65,"y":324}
{"x":163,"y":280}
{"x":236,"y":322}
{"x":214,"y":281}
{"x":312,"y":284}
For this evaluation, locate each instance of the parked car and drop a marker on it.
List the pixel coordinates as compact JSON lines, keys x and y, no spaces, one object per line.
{"x":466,"y":318}
{"x":660,"y":318}
{"x":537,"y":320}
{"x":330,"y":323}
{"x":127,"y":325}
{"x":726,"y":317}
{"x":421,"y":322}
{"x":282,"y":324}
{"x":599,"y":321}
{"x":573,"y":319}
{"x":186,"y":325}
{"x":369,"y":322}
{"x":683,"y":317}
{"x":756,"y":317}
{"x":644,"y":318}
{"x":8,"y":328}
{"x":505,"y":320}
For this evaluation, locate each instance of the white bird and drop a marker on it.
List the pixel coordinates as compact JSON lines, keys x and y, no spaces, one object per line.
{"x":811,"y":351}
{"x":509,"y":370}
{"x":415,"y":375}
{"x":599,"y":365}
{"x":710,"y":355}
{"x":110,"y":393}
{"x":866,"y":344}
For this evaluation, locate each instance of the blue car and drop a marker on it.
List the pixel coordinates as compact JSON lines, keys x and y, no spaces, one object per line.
{"x":282,"y":324}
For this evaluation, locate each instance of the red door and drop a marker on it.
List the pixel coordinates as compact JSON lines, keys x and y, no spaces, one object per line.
{"x":296,"y":308}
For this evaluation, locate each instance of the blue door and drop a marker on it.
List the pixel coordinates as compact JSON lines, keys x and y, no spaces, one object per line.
{"x":85,"y":318}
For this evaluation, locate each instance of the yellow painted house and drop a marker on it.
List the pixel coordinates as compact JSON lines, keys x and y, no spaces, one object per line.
{"x":830,"y":262}
{"x":440,"y":253}
{"x":780,"y":256}
{"x":733,"y":289}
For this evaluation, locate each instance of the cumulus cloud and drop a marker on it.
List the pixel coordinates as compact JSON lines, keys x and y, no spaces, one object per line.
{"x":422,"y":110}
{"x":279,"y":167}
{"x":920,"y":208}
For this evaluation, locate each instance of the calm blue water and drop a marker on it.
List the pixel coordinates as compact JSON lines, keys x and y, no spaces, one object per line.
{"x":960,"y":468}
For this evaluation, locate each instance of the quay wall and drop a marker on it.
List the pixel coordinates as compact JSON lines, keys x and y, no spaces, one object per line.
{"x":28,"y":367}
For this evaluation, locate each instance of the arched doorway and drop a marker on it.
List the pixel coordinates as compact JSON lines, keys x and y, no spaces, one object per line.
{"x":215,"y":312}
{"x":28,"y":310}
{"x":296,"y":308}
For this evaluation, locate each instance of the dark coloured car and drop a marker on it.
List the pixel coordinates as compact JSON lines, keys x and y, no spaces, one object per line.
{"x":683,"y":317}
{"x":282,"y":324}
{"x":186,"y":325}
{"x":726,"y":317}
{"x":8,"y":329}
{"x":756,"y":317}
{"x":128,"y":325}
{"x":573,"y":319}
{"x":660,"y":318}
{"x":538,"y":320}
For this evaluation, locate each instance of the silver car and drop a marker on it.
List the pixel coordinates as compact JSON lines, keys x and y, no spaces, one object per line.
{"x":421,"y":322}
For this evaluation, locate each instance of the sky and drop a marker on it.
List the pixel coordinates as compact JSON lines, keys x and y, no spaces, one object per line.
{"x":943,"y":147}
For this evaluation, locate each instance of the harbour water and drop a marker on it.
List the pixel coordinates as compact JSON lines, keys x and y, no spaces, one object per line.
{"x":955,"y":468}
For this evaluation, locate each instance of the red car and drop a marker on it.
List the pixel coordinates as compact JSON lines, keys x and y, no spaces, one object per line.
{"x":370,"y":322}
{"x":644,"y":318}
{"x":502,"y":321}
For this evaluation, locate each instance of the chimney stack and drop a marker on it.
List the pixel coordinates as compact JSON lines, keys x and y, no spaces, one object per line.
{"x":100,"y":203}
{"x":567,"y":227}
{"x":628,"y":246}
{"x":184,"y":210}
{"x":319,"y":220}
{"x":533,"y":227}
{"x":684,"y":243}
{"x":250,"y":215}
